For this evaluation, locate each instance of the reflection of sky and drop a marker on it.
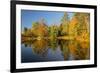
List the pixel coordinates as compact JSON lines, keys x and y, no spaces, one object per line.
{"x":28,"y":55}
{"x":50,"y":17}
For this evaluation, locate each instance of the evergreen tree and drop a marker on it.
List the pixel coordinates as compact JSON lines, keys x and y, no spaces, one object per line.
{"x":64,"y":24}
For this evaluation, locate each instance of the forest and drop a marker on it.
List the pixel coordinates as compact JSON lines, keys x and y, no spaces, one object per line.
{"x":77,"y":28}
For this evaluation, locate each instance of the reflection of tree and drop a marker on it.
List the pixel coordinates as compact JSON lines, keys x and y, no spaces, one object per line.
{"x":85,"y":48}
{"x":40,"y":46}
{"x":78,"y":51}
{"x":53,"y":44}
{"x":64,"y":48}
{"x":27,"y":43}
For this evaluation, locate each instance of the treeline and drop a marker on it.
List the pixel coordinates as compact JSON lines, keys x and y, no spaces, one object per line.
{"x":76,"y":28}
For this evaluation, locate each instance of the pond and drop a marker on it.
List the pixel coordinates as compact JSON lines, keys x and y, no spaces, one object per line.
{"x":54,"y":50}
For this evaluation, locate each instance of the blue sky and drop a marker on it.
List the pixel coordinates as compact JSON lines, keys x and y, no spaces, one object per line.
{"x":50,"y":17}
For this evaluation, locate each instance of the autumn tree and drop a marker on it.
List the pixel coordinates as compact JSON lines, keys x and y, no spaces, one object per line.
{"x":82,"y":25}
{"x":41,"y":29}
{"x":73,"y":27}
{"x":82,"y":22}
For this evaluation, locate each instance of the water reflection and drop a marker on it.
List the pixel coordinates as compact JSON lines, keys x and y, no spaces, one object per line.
{"x":54,"y":50}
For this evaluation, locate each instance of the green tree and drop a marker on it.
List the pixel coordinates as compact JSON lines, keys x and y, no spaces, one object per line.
{"x":25,"y":30}
{"x":53,"y":31}
{"x":64,"y":24}
{"x":34,"y":24}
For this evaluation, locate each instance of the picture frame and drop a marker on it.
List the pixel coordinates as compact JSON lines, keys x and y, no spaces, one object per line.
{"x":20,"y":65}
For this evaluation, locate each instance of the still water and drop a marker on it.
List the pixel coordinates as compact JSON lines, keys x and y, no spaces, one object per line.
{"x":54,"y":50}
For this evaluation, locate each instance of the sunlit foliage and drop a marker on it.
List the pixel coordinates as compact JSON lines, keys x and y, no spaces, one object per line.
{"x":76,"y":28}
